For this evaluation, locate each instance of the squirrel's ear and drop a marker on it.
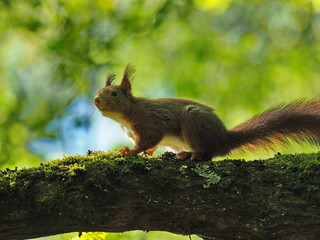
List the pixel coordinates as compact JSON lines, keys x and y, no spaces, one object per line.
{"x":127,"y":77}
{"x":110,"y":78}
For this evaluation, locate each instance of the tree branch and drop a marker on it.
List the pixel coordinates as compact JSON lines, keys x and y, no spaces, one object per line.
{"x":272,"y":199}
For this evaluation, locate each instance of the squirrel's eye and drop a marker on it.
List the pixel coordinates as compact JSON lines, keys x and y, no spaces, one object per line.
{"x":114,"y":93}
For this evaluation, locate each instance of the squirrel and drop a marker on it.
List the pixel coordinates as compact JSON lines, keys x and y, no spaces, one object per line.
{"x":194,"y":131}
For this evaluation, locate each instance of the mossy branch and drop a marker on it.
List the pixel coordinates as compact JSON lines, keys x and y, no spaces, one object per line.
{"x":277,"y":198}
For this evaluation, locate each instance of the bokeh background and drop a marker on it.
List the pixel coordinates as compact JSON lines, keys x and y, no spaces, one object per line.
{"x":240,"y":57}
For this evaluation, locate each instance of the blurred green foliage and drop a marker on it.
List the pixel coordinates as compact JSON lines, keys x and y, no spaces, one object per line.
{"x":238,"y":56}
{"x":137,"y":235}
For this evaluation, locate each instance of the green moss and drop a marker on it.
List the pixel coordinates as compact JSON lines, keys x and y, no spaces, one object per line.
{"x":183,"y":169}
{"x":301,"y":172}
{"x":207,"y":173}
{"x":106,"y":171}
{"x":297,"y":160}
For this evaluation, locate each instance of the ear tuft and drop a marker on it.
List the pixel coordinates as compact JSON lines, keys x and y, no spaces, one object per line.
{"x":128,"y":75}
{"x":110,"y":78}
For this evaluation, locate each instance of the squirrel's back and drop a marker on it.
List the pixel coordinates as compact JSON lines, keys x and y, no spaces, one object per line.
{"x":162,"y":113}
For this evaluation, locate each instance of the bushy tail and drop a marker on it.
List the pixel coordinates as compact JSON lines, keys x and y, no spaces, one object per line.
{"x":298,"y":121}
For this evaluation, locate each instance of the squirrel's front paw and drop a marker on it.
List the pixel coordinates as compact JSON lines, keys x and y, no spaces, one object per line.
{"x":124,"y":151}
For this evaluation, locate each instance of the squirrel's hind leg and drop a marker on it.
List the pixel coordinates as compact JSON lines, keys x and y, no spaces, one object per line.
{"x":198,"y":156}
{"x":184,"y":155}
{"x":203,"y":131}
{"x":195,"y":156}
{"x":150,"y":151}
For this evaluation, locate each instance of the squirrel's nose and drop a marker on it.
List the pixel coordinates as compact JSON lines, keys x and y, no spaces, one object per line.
{"x":96,"y":100}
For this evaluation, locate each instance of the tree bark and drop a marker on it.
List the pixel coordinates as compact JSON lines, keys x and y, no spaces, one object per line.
{"x":277,"y":198}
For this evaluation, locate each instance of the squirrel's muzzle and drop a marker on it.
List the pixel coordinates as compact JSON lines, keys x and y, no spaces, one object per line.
{"x":100,"y":103}
{"x":97,"y":101}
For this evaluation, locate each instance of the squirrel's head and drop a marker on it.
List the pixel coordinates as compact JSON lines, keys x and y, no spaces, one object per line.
{"x":115,"y":99}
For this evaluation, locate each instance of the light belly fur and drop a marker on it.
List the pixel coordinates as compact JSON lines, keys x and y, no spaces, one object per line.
{"x":175,"y":143}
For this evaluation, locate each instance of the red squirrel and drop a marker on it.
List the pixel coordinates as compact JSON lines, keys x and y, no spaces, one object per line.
{"x":193,"y":130}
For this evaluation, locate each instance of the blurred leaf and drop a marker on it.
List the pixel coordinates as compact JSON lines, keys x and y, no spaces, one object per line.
{"x":94,"y":236}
